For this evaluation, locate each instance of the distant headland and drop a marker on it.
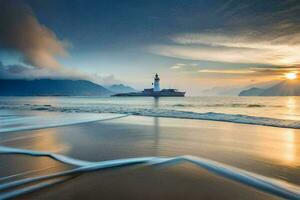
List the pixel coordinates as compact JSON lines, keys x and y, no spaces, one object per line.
{"x":284,"y":88}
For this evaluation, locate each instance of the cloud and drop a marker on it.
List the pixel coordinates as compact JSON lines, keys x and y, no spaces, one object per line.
{"x":107,"y":80}
{"x":178,"y":66}
{"x":19,"y":71}
{"x":254,"y":32}
{"x":38,"y":45}
{"x":251,"y":72}
{"x":222,"y":71}
{"x":278,"y":18}
{"x":175,"y":67}
{"x":233,"y":48}
{"x":22,"y":32}
{"x":24,"y":72}
{"x":12,"y":71}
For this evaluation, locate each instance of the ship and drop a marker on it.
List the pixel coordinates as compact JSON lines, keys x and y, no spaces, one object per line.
{"x":155,"y":91}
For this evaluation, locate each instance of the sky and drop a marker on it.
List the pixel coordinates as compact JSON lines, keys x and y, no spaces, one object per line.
{"x":199,"y":46}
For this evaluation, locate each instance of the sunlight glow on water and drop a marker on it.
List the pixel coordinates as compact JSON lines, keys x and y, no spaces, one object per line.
{"x":290,"y":148}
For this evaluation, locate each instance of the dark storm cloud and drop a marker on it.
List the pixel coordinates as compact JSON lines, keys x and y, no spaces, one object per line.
{"x":21,"y":32}
{"x":14,"y":71}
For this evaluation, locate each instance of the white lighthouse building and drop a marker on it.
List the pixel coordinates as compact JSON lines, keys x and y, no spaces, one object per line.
{"x":156,"y":87}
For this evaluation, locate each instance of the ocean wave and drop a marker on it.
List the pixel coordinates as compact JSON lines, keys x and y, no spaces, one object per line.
{"x":158,"y":112}
{"x":269,"y":185}
{"x":29,"y":122}
{"x":233,"y":105}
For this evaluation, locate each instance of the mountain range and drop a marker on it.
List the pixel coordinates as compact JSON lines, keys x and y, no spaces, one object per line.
{"x":284,"y":88}
{"x":54,"y":87}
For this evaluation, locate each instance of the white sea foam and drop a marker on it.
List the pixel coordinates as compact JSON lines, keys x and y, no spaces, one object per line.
{"x":33,"y":120}
{"x":275,"y":187}
{"x":88,"y":114}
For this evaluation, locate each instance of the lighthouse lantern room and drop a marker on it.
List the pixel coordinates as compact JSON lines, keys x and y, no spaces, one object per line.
{"x":156,"y":87}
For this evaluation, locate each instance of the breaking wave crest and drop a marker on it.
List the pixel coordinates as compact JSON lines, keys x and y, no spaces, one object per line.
{"x":234,"y":105}
{"x":259,"y":182}
{"x":159,"y":112}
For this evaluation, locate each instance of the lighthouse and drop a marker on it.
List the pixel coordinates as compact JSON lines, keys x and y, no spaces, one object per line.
{"x":155,"y":91}
{"x":156,"y":87}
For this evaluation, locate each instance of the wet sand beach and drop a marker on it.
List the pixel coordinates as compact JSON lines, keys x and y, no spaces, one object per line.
{"x":184,"y":181}
{"x":268,"y":151}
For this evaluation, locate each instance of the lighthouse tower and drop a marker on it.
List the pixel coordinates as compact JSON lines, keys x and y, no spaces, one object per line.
{"x":156,"y":87}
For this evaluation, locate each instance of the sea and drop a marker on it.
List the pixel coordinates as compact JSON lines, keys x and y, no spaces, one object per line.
{"x":261,"y":157}
{"x":21,"y":113}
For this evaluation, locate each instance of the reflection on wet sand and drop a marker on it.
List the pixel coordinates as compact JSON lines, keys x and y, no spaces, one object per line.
{"x":281,"y":147}
{"x":156,"y":127}
{"x":290,"y":147}
{"x":42,"y":140}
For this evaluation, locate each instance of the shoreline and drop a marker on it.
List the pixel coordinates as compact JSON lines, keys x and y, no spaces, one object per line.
{"x":210,"y":116}
{"x":137,"y":136}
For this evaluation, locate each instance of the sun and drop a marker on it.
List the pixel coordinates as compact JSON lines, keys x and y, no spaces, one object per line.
{"x":291,"y":75}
